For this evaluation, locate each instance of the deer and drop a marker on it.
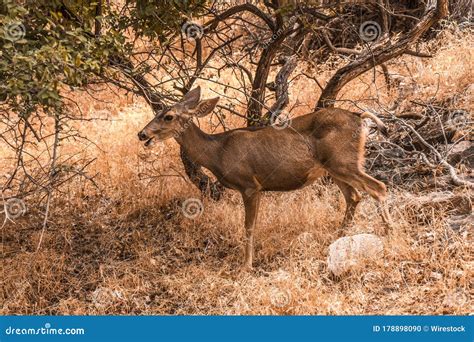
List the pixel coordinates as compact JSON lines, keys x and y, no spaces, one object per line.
{"x":253,"y":160}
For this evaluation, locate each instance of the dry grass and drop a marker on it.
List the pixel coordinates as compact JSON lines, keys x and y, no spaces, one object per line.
{"x":131,"y":251}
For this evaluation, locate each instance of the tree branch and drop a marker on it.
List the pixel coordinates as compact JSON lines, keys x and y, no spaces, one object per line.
{"x":212,"y":24}
{"x":380,"y":54}
{"x":281,"y":86}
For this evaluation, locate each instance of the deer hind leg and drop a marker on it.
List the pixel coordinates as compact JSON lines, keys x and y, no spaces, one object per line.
{"x":251,"y":203}
{"x":379,"y":192}
{"x":376,"y":189}
{"x":352,"y":198}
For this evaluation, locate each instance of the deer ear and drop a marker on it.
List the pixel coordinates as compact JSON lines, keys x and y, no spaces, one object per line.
{"x":205,"y":107}
{"x":191,"y":99}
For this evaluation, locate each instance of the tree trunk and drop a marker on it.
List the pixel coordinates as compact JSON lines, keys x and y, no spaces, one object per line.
{"x":200,"y":179}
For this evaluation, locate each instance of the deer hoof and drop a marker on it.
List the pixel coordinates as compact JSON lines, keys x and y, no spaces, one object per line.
{"x":247,"y":265}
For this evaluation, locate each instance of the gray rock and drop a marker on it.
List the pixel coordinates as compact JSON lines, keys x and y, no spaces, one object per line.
{"x":352,"y":252}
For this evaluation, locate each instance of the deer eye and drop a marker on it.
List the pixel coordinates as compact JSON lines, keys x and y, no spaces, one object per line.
{"x":168,"y":117}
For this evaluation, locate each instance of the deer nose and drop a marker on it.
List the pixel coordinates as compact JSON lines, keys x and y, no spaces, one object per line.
{"x":142,"y":136}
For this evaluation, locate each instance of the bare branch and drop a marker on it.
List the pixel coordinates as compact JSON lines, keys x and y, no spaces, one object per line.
{"x":380,"y":54}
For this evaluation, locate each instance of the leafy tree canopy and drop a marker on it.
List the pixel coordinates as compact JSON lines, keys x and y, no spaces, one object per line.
{"x":48,"y":45}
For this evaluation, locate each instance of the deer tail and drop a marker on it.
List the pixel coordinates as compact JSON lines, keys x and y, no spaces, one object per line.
{"x":380,"y":125}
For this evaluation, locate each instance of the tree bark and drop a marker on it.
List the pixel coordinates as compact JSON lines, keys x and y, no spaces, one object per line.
{"x":200,"y":179}
{"x":281,"y":86}
{"x":257,"y":97}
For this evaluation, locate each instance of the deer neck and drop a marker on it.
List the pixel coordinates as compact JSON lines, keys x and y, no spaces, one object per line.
{"x":200,"y":147}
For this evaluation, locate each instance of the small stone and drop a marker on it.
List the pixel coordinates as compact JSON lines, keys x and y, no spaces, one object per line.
{"x":351,"y":251}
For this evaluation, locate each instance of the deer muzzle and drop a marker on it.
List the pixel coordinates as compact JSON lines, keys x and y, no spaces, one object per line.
{"x":142,"y":136}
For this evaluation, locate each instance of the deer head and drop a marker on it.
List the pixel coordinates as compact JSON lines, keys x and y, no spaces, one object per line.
{"x":175,"y":120}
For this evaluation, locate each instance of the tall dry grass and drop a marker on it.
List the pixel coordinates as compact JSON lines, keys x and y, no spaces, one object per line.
{"x":129,"y":249}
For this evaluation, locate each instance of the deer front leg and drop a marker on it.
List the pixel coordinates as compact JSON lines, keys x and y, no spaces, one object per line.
{"x":251,"y":203}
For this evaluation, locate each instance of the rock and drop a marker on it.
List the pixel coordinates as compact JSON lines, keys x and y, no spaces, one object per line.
{"x":352,"y":251}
